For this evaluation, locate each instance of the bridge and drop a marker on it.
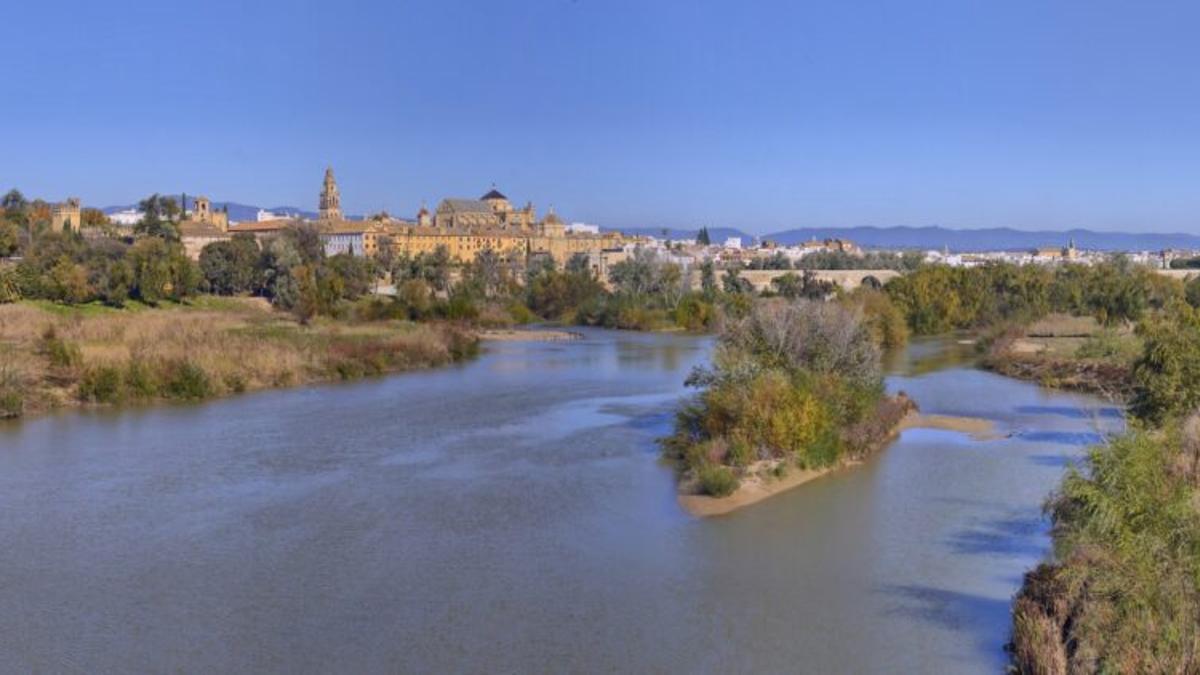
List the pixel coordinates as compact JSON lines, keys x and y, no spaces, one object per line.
{"x":847,"y":279}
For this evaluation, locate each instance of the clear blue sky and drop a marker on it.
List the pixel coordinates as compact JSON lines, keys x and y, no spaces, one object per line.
{"x":1037,"y":114}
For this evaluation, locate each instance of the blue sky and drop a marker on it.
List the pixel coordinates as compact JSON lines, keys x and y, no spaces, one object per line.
{"x":759,"y":115}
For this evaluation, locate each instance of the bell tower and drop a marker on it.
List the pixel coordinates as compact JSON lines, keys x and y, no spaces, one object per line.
{"x":331,"y":201}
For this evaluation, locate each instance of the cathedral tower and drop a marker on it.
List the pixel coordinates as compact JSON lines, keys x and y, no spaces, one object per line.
{"x":331,"y":201}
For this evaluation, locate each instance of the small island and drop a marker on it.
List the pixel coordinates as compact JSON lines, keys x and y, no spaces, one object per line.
{"x":795,"y":392}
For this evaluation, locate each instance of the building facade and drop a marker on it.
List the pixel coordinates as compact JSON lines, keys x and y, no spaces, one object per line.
{"x":330,"y":204}
{"x":66,"y":216}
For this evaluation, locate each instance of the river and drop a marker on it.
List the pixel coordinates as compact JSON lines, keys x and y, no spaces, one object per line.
{"x":511,"y":515}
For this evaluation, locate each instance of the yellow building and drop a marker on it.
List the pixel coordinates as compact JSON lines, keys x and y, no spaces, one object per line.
{"x":202,"y":227}
{"x":464,"y":227}
{"x":66,"y":216}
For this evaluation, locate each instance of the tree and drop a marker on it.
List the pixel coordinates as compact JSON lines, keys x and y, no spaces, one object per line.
{"x":488,"y":272}
{"x":578,"y":264}
{"x":278,"y":259}
{"x":635,"y":276}
{"x":158,"y":214}
{"x":150,"y":261}
{"x":69,"y":282}
{"x":789,"y":285}
{"x":93,"y":218}
{"x":10,"y":239}
{"x":307,"y":240}
{"x":14,"y":202}
{"x":1167,"y":375}
{"x":355,"y":274}
{"x":230,"y":267}
{"x":708,"y":279}
{"x":703,"y":238}
{"x":384,"y":256}
{"x":113,"y":280}
{"x":733,"y":282}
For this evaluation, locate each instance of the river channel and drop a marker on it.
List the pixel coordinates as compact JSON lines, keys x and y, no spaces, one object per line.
{"x":511,"y":515}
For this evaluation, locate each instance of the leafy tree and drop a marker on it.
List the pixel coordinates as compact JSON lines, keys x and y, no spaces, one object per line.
{"x":307,"y":240}
{"x":703,"y":238}
{"x":733,"y":282}
{"x":279,"y":258}
{"x":356,"y":274}
{"x":68,"y":282}
{"x":112,"y":280}
{"x":150,"y":261}
{"x":789,"y":285}
{"x":229,"y":267}
{"x":708,"y":279}
{"x":1167,"y":376}
{"x":93,"y":218}
{"x":10,"y":238}
{"x":488,"y":273}
{"x":158,"y":215}
{"x":579,"y":264}
{"x":14,"y":202}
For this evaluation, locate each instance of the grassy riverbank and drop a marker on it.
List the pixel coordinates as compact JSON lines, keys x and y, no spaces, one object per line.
{"x":53,"y":356}
{"x":1067,"y":352}
{"x":1122,"y":591}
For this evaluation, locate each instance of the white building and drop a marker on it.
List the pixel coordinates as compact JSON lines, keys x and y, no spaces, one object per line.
{"x":264,"y":215}
{"x":128,"y":217}
{"x":583,"y":228}
{"x":733,"y":242}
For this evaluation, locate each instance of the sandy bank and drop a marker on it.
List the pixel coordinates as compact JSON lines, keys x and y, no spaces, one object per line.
{"x":528,"y":335}
{"x":760,"y":484}
{"x":753,"y":489}
{"x":978,"y":428}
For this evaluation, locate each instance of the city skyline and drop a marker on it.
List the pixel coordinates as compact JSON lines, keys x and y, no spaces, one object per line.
{"x":668,"y":115}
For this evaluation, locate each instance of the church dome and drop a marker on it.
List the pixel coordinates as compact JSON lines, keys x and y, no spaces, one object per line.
{"x":493,"y":194}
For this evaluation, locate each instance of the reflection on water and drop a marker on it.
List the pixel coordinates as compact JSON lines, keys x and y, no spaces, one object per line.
{"x":511,"y":515}
{"x":927,"y":355}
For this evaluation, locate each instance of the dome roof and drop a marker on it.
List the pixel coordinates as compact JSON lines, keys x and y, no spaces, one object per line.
{"x":493,"y":194}
{"x":552,"y":218}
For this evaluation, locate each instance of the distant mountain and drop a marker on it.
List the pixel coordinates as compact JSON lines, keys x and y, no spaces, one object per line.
{"x":925,"y":238}
{"x":238,"y":213}
{"x":716,"y":234}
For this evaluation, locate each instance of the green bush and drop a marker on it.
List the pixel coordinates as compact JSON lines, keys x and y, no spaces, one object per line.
{"x":12,"y":386}
{"x":1121,"y":596}
{"x":717,"y":481}
{"x":60,"y":353}
{"x":101,"y":384}
{"x":520,"y":313}
{"x":140,"y":380}
{"x":186,"y":380}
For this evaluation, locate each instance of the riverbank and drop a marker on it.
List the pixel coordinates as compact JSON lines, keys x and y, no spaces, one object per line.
{"x":528,"y":335}
{"x":53,"y":356}
{"x":1067,"y":352}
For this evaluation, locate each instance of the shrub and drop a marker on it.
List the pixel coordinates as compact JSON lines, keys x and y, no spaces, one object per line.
{"x":101,"y":384}
{"x":1167,"y":375}
{"x":185,"y":380}
{"x":12,"y":386}
{"x":717,"y":481}
{"x":140,"y":380}
{"x":520,"y":313}
{"x":60,"y":353}
{"x":1122,"y":596}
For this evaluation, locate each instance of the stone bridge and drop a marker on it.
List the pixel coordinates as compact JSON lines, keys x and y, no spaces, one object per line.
{"x":847,"y":279}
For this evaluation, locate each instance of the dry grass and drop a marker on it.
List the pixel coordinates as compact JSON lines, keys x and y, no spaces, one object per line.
{"x":215,"y":346}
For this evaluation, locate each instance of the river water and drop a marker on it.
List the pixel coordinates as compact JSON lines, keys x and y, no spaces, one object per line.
{"x":511,"y":515}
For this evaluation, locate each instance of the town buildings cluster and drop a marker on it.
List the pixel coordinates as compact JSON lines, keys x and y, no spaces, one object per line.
{"x":465,"y":227}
